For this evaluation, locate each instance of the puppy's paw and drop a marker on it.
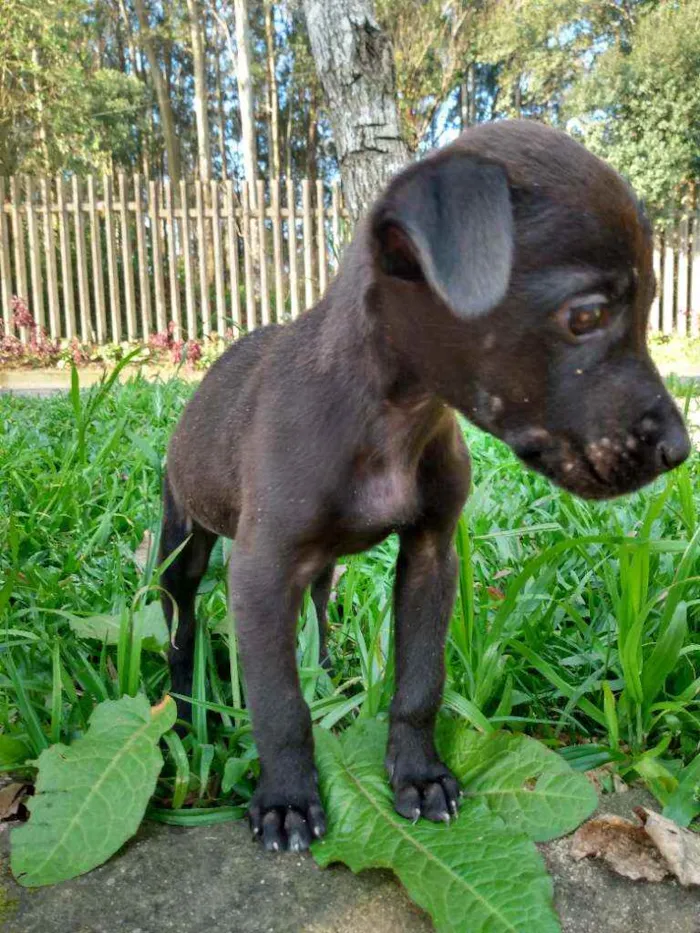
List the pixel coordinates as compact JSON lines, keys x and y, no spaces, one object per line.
{"x":431,"y":792}
{"x":286,"y":826}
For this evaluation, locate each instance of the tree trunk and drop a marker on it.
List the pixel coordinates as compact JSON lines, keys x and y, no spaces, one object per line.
{"x":200,"y":91}
{"x":43,"y":137}
{"x":164,"y":106}
{"x":245,"y":97}
{"x":354,"y":61}
{"x":274,"y":96}
{"x":221,"y":117}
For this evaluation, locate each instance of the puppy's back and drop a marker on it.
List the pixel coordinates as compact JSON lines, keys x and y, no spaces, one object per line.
{"x":204,"y":453}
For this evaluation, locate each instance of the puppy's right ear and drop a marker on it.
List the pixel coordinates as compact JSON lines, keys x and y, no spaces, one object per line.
{"x":449,"y":220}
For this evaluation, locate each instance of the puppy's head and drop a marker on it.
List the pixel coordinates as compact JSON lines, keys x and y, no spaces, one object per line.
{"x":513,"y":275}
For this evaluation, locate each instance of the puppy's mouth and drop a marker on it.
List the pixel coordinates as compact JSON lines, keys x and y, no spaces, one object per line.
{"x":599,"y":469}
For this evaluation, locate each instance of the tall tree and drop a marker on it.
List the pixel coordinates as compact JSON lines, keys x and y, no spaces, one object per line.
{"x":354,"y":60}
{"x":161,"y":90}
{"x":640,"y":106}
{"x":273,"y":96}
{"x":245,"y":95}
{"x":201,"y":109}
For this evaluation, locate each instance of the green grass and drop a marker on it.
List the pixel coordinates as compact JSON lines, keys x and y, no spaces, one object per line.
{"x":576,"y":622}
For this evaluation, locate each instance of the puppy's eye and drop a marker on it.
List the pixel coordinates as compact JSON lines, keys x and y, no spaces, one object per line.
{"x":585,"y":315}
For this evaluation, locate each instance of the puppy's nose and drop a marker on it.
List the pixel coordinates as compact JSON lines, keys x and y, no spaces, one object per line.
{"x":673,"y":447}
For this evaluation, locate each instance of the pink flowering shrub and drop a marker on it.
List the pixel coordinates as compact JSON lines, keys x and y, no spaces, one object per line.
{"x":39,"y":349}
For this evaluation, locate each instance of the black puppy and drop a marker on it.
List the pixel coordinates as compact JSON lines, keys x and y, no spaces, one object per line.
{"x":508,"y":276}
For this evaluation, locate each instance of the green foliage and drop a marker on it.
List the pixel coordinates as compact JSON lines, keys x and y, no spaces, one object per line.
{"x":683,"y":805}
{"x":640,"y":105}
{"x":106,"y":628}
{"x":576,"y":621}
{"x":478,"y":872}
{"x":91,"y":797}
{"x":532,"y":789}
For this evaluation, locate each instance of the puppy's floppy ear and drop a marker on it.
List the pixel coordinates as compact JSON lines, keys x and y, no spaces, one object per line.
{"x":449,"y":220}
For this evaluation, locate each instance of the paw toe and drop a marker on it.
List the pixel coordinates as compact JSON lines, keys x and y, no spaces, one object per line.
{"x":435,"y":805}
{"x":272,"y":835}
{"x":297,"y":830}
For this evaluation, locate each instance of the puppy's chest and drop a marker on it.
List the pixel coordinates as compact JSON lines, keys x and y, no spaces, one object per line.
{"x":383,"y":492}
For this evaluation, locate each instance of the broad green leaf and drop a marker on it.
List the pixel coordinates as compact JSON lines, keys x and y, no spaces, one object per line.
{"x":13,"y":751}
{"x":532,"y":788}
{"x":658,"y":779}
{"x":234,"y":770}
{"x":683,"y":805}
{"x":105,"y":627}
{"x":91,"y":797}
{"x":476,"y":875}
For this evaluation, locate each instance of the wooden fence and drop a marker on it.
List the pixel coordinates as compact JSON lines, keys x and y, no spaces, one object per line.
{"x":119,"y":259}
{"x":108,"y":260}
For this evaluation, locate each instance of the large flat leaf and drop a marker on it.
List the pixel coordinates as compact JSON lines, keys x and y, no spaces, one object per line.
{"x":475,"y":876}
{"x":105,"y":627}
{"x":91,"y":796}
{"x":532,"y":788}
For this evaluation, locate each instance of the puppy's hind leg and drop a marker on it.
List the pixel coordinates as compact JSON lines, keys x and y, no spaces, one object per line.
{"x":181,"y":580}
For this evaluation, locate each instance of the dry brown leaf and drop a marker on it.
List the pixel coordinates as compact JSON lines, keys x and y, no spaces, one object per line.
{"x":622,"y":845}
{"x":11,"y":799}
{"x":680,"y":847}
{"x":143,"y":551}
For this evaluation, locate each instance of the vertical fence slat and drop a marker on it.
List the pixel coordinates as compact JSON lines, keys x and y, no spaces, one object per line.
{"x":21,"y":287}
{"x":335,"y":224}
{"x":171,"y":235}
{"x":218,"y":259}
{"x":321,"y":237}
{"x":96,"y":252}
{"x":292,"y":248}
{"x":81,"y":260}
{"x":262,"y":254}
{"x":64,"y":240}
{"x":37,"y":300}
{"x":695,"y":279}
{"x":655,"y":312}
{"x":667,"y":298}
{"x":277,"y":247}
{"x":248,"y":261}
{"x":50,"y":259}
{"x":233,"y":270}
{"x":144,"y":278}
{"x":202,"y":257}
{"x":112,"y":271}
{"x":5,"y":267}
{"x":157,"y":254}
{"x":127,"y":259}
{"x":35,"y":218}
{"x":187,"y":257}
{"x":308,"y":244}
{"x":682,"y":278}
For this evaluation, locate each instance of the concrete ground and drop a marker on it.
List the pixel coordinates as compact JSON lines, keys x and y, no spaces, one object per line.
{"x":216,"y":880}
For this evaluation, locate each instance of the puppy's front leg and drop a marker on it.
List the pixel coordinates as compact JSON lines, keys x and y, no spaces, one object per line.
{"x":426,"y":576}
{"x":286,"y":810}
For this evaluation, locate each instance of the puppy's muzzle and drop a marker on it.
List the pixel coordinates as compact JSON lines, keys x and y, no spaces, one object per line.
{"x":607,"y":463}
